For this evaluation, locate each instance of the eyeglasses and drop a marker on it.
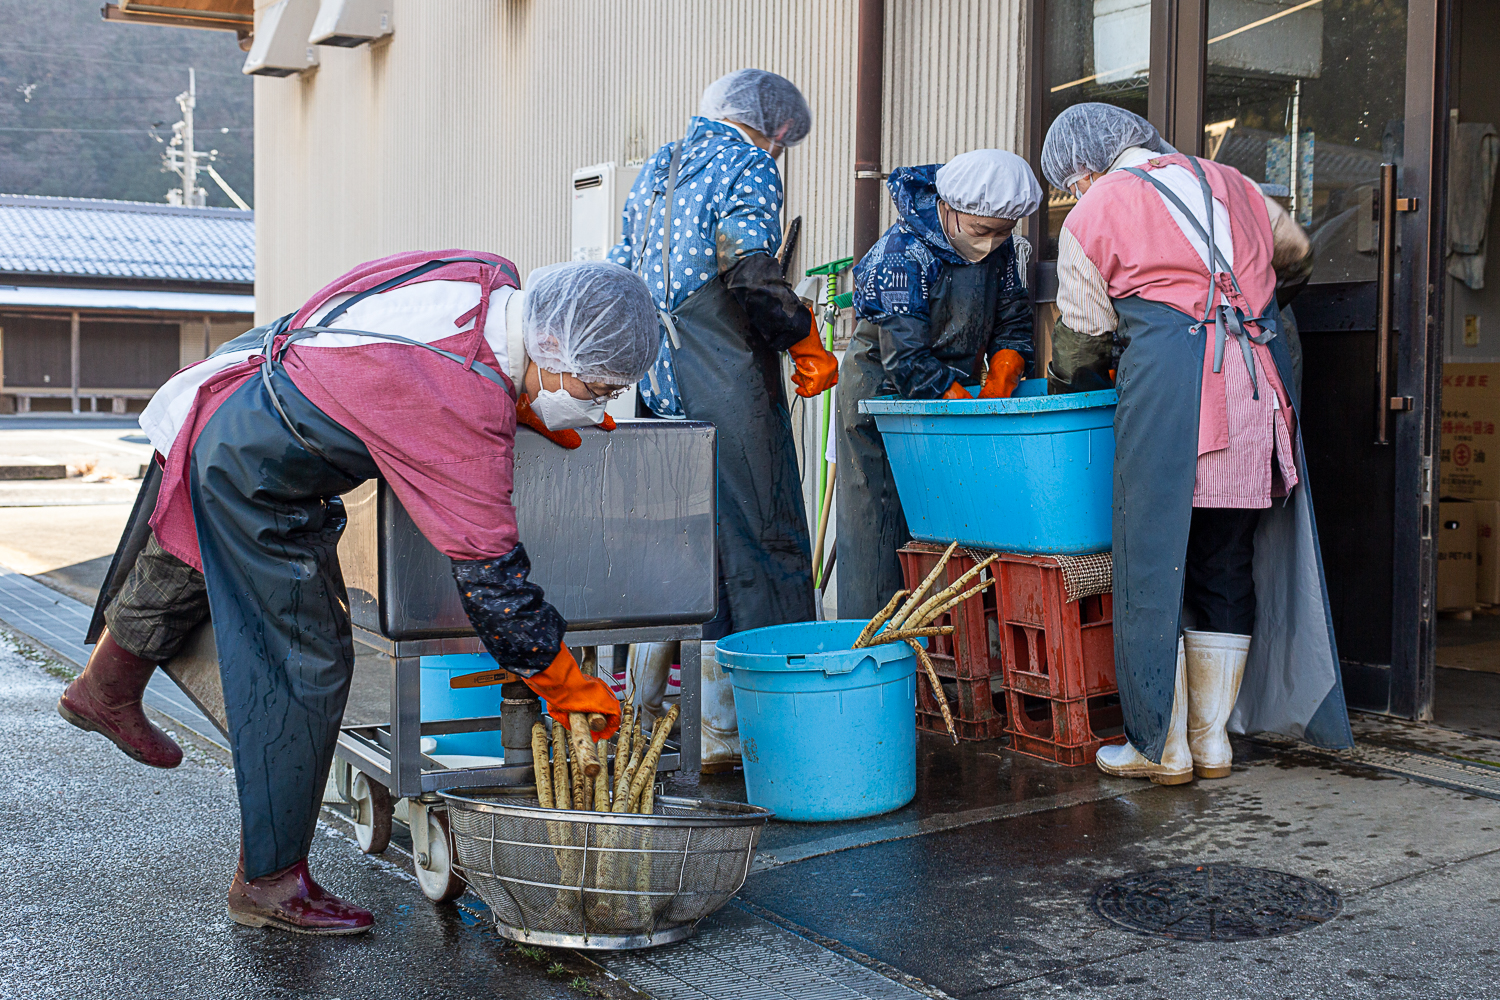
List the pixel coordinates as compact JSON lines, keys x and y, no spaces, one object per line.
{"x":603,"y":393}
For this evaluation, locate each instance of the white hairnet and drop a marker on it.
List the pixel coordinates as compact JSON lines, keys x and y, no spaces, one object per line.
{"x":768,"y":103}
{"x":592,"y":319}
{"x":989,"y":182}
{"x":1086,"y":138}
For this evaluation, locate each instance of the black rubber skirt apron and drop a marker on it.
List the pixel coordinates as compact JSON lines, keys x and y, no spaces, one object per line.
{"x":269,"y":518}
{"x":728,"y":376}
{"x":765,"y":553}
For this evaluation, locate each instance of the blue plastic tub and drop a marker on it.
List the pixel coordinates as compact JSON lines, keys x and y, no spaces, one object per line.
{"x":826,"y":732}
{"x":441,"y":701}
{"x":1033,"y":473}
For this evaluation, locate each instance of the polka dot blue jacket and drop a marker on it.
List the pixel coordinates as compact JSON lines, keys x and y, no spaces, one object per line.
{"x":728,"y":206}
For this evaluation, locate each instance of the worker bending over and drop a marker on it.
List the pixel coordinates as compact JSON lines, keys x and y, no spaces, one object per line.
{"x":1169,"y":271}
{"x":939,"y":294}
{"x":408,"y":368}
{"x":702,"y":226}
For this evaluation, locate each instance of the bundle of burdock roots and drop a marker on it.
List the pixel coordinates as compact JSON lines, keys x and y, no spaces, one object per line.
{"x":577,"y":775}
{"x":910,"y":615}
{"x":612,"y":867}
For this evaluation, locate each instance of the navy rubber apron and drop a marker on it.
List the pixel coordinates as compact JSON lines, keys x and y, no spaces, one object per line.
{"x":871,"y":523}
{"x":1292,"y":683}
{"x":726,"y":377}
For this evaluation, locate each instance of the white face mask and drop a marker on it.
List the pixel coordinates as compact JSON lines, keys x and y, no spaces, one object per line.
{"x":560,"y":410}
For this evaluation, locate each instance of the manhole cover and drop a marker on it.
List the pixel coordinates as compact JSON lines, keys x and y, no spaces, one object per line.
{"x":1215,"y":903}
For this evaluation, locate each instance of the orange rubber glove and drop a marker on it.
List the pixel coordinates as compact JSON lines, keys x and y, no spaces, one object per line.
{"x":817,"y":370}
{"x":1006,"y":368}
{"x":567,"y":689}
{"x":956,"y":391}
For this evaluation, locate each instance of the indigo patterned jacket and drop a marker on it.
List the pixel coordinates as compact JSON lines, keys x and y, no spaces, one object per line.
{"x":726,"y":221}
{"x":939,"y":317}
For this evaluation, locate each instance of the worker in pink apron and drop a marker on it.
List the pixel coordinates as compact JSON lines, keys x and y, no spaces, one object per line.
{"x":1169,"y":272}
{"x":415,"y":368}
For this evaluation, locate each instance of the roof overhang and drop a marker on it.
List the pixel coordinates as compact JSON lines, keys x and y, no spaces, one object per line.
{"x":219,"y":15}
{"x":123,"y":300}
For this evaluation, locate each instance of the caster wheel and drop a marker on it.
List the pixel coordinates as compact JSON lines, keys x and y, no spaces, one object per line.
{"x":440,"y":882}
{"x":372,"y":814}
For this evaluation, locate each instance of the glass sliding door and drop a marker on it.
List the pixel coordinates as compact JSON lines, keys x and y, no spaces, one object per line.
{"x":1309,"y":98}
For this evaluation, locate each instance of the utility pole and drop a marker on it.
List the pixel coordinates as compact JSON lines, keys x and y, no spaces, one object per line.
{"x":181,"y":157}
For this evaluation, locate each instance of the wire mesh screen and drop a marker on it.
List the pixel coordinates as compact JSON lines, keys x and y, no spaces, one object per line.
{"x":591,"y":874}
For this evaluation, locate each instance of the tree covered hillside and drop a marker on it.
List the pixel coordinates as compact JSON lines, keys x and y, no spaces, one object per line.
{"x":83,"y":103}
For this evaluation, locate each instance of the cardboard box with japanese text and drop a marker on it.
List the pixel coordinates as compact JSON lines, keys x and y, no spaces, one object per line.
{"x":1470,"y":452}
{"x":1457,"y":578}
{"x":1487,"y":550}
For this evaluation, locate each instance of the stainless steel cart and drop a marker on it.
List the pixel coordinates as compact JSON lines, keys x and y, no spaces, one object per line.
{"x":620,"y":533}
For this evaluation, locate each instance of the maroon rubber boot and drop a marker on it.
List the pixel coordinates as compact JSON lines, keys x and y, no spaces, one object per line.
{"x":106,"y":698}
{"x":290,"y":900}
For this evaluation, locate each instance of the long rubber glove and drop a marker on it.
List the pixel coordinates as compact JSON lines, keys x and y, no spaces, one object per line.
{"x":1006,"y":368}
{"x":567,"y":689}
{"x":568,"y":438}
{"x":817,"y":369}
{"x":956,"y":391}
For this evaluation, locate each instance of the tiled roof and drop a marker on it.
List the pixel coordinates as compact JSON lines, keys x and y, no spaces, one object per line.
{"x":125,"y":239}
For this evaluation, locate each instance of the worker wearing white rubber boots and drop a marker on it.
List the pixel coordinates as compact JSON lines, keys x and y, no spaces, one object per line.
{"x":1171,"y":274}
{"x":649,"y":670}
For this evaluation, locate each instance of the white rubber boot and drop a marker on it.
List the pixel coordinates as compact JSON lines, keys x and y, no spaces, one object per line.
{"x":1176,"y":767}
{"x":721,"y":726}
{"x":649,"y":670}
{"x":1215,"y":667}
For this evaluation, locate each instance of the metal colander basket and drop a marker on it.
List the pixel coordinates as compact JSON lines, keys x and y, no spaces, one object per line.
{"x":564,"y":877}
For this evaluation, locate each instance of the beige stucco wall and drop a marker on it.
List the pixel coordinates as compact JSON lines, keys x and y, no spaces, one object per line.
{"x":463,"y":129}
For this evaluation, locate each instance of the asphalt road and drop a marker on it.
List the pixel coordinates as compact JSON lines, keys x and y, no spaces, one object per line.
{"x":113,"y":877}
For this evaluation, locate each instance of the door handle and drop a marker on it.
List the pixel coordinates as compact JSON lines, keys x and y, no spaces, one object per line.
{"x":1385,"y":267}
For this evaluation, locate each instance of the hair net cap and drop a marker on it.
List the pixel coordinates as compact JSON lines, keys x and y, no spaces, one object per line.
{"x":770,"y":104}
{"x":989,"y":182}
{"x":591,"y":319}
{"x":1086,"y":138}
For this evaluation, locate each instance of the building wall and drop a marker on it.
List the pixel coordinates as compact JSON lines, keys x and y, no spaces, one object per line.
{"x":464,"y":128}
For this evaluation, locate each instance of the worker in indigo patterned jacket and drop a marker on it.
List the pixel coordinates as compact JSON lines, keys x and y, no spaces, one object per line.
{"x":941,"y":300}
{"x":415,"y":368}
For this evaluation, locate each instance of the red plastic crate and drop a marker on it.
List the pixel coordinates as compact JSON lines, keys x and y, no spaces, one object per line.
{"x":1062,"y":731}
{"x":1056,"y":659}
{"x":968,"y":661}
{"x":1059,"y":663}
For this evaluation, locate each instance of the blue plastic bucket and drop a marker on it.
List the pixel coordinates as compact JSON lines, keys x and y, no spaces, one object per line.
{"x":1033,"y":473}
{"x":826,"y":732}
{"x":440,"y":701}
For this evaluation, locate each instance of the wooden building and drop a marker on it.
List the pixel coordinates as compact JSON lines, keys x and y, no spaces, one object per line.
{"x":101,"y":301}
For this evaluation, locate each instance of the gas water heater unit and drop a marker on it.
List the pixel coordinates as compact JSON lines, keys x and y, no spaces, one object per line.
{"x":599,"y":194}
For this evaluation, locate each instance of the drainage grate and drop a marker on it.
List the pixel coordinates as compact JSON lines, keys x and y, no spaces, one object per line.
{"x":1215,"y":903}
{"x":1434,"y":769}
{"x":739,"y":956}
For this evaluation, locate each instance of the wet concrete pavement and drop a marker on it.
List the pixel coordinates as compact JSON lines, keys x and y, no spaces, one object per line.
{"x":113,"y":876}
{"x":980,"y":888}
{"x":1003,"y":909}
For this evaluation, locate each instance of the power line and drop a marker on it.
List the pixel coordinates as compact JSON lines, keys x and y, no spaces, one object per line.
{"x":143,"y":130}
{"x":119,"y":62}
